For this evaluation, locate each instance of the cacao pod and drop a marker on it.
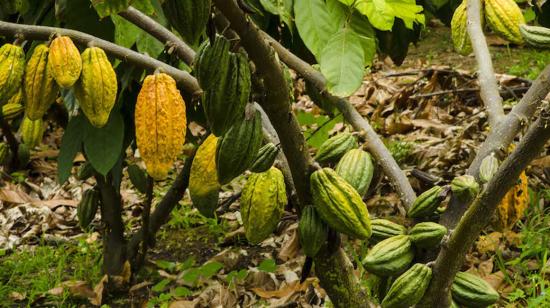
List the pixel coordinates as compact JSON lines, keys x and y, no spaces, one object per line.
{"x":265,"y":158}
{"x":262,"y":204}
{"x":39,"y":86}
{"x":97,"y":87}
{"x":5,"y":153}
{"x":212,"y":63}
{"x":535,"y":36}
{"x":23,"y":155}
{"x":472,"y":291}
{"x":64,"y":61}
{"x":335,"y":147}
{"x":339,"y":204}
{"x":188,"y":17}
{"x":409,"y":288}
{"x":465,"y":187}
{"x":160,"y":124}
{"x":459,"y":31}
{"x":17,"y":98}
{"x":427,"y":234}
{"x":488,"y":168}
{"x":138,"y":177}
{"x":12,"y":67}
{"x":427,"y":202}
{"x":87,"y":207}
{"x":32,"y":131}
{"x":383,"y":229}
{"x":505,"y":17}
{"x":85,"y":171}
{"x":203,"y":180}
{"x":390,"y":257}
{"x":12,"y":111}
{"x":512,"y":207}
{"x":238,"y":148}
{"x":357,"y":168}
{"x":313,"y":231}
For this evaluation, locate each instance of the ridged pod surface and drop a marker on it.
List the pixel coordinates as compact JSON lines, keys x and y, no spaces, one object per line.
{"x":357,"y":168}
{"x":465,"y":187}
{"x":512,"y":207}
{"x":262,"y":204}
{"x":64,"y":61}
{"x":535,"y":35}
{"x":335,"y":147}
{"x":203,"y":180}
{"x":427,"y":234}
{"x":87,"y":207}
{"x":313,"y":231}
{"x":12,"y":111}
{"x":85,"y":171}
{"x":31,"y":131}
{"x":339,"y":204}
{"x":472,"y":291}
{"x":238,"y":148}
{"x":390,"y":257}
{"x":23,"y":155}
{"x":160,"y":124}
{"x":426,"y":203}
{"x":188,"y":17}
{"x":39,"y":86}
{"x":488,"y":168}
{"x":383,"y":229}
{"x":12,"y":67}
{"x":459,"y":31}
{"x":265,"y":158}
{"x":17,"y":98}
{"x":97,"y":87}
{"x":4,"y":153}
{"x":409,"y":288}
{"x":505,"y":18}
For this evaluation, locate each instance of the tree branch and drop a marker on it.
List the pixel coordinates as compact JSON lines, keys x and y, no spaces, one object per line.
{"x":30,"y":32}
{"x":486,"y":75}
{"x":453,"y":252}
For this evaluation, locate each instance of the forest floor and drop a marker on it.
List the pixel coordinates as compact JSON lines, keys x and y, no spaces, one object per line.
{"x":428,"y":113}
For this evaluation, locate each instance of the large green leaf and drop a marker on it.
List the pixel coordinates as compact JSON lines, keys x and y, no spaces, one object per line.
{"x":127,"y":34}
{"x":314,"y":24}
{"x":106,"y":8}
{"x":342,"y":62}
{"x":80,"y":15}
{"x":382,"y":13}
{"x":103,"y":146}
{"x":281,"y":8}
{"x":71,"y":143}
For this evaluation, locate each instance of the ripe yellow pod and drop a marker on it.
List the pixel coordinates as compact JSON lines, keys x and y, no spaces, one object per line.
{"x":64,"y":61}
{"x":12,"y":66}
{"x":39,"y":86}
{"x":31,"y":131}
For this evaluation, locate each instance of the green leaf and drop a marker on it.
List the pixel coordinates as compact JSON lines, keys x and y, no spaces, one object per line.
{"x":210,"y":269}
{"x":281,"y":8}
{"x":149,"y":45}
{"x":106,"y":8}
{"x":71,"y":143}
{"x":361,"y":25}
{"x":382,"y":13}
{"x":182,"y":292}
{"x":342,"y":62}
{"x":138,"y":177}
{"x":268,"y":265}
{"x":80,"y":15}
{"x":159,"y":287}
{"x":191,"y":275}
{"x":103,"y":146}
{"x":166,"y":265}
{"x":314,"y":23}
{"x":144,"y":6}
{"x":126,"y":33}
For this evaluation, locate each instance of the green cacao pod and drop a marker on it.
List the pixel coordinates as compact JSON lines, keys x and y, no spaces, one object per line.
{"x":161,"y":124}
{"x":488,"y":168}
{"x":31,"y":131}
{"x":87,"y":207}
{"x":339,"y":204}
{"x":5,"y":154}
{"x":383,"y":229}
{"x":39,"y":86}
{"x":409,"y":288}
{"x":12,"y":111}
{"x":238,"y":148}
{"x":188,"y":17}
{"x":262,"y":204}
{"x":464,"y":187}
{"x":426,"y":203}
{"x":357,"y":168}
{"x":390,"y":257}
{"x":212,"y":63}
{"x":12,"y":67}
{"x":265,"y":158}
{"x":203,"y":180}
{"x":85,"y":171}
{"x":17,"y":98}
{"x":505,"y":17}
{"x":472,"y":291}
{"x":427,"y":234}
{"x":138,"y":177}
{"x":313,"y":231}
{"x":535,"y":36}
{"x":64,"y":61}
{"x":23,"y":155}
{"x":335,"y":147}
{"x":459,"y":31}
{"x":97,"y":87}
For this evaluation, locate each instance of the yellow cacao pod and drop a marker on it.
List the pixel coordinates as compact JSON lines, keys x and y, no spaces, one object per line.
{"x":203,"y":180}
{"x":459,"y":31}
{"x":505,"y":18}
{"x":64,"y":61}
{"x":17,"y":98}
{"x":12,"y":66}
{"x":31,"y":131}
{"x":39,"y":86}
{"x":11,"y":111}
{"x":97,"y":87}
{"x":512,"y":207}
{"x":160,"y":124}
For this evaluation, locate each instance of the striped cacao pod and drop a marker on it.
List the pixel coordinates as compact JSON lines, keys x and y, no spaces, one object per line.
{"x":31,"y":131}
{"x":339,"y":204}
{"x":12,"y":67}
{"x":12,"y":111}
{"x":427,"y":202}
{"x":535,"y":36}
{"x":465,"y":187}
{"x":85,"y":171}
{"x":97,"y":87}
{"x":87,"y":207}
{"x":357,"y":168}
{"x":203,"y":180}
{"x":188,"y":17}
{"x":383,"y":229}
{"x":17,"y":98}
{"x":472,"y":291}
{"x":313,"y":231}
{"x":138,"y":178}
{"x":160,"y":124}
{"x":427,"y":234}
{"x":238,"y":148}
{"x":5,"y":153}
{"x":335,"y":147}
{"x":459,"y":31}
{"x":64,"y":61}
{"x":512,"y":207}
{"x":265,"y":158}
{"x":488,"y":168}
{"x":39,"y":86}
{"x":409,"y":288}
{"x":390,"y":257}
{"x":505,"y":17}
{"x":262,"y":204}
{"x":23,"y":155}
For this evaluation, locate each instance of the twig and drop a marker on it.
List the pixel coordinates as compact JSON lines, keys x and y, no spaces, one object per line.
{"x":510,"y":90}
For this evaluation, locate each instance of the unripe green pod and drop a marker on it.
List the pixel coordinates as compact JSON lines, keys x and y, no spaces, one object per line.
{"x":87,"y":208}
{"x":409,"y":288}
{"x":465,"y":187}
{"x":85,"y":171}
{"x":5,"y":153}
{"x":12,"y":111}
{"x":313,"y":231}
{"x":265,"y":158}
{"x":426,"y":203}
{"x":335,"y":147}
{"x":357,"y":168}
{"x":427,"y":234}
{"x":488,"y":168}
{"x":23,"y":155}
{"x":390,"y":257}
{"x":383,"y":229}
{"x":472,"y":291}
